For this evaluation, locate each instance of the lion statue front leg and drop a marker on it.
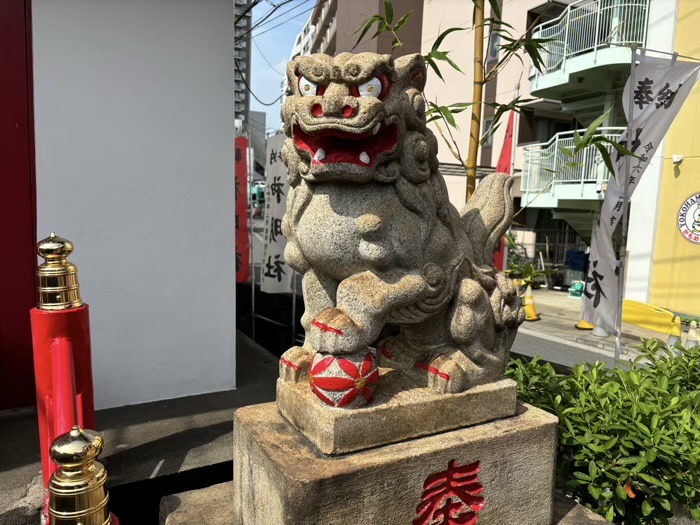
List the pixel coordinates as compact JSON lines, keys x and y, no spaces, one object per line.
{"x":319,"y":295}
{"x":349,"y":322}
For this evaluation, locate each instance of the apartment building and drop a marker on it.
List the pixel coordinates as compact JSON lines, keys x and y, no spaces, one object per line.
{"x":586,"y":67}
{"x":241,"y":53}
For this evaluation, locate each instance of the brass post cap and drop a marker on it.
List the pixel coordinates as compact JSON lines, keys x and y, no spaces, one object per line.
{"x":76,"y":448}
{"x":57,"y":277}
{"x":54,"y":248}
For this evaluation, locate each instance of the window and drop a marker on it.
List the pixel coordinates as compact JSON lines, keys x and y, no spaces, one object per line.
{"x":538,"y":128}
{"x":488,"y":123}
{"x":544,"y":128}
{"x":494,"y":42}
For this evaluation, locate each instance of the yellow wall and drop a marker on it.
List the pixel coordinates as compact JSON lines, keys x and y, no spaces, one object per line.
{"x":675,"y":282}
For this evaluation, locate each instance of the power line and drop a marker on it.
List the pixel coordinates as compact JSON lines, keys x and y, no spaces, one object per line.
{"x":300,"y":4}
{"x":260,"y":23}
{"x":263,"y":19}
{"x":250,"y":7}
{"x":235,"y":61}
{"x":265,"y":59}
{"x":282,"y":23}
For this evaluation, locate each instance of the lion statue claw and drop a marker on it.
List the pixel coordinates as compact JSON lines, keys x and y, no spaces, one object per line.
{"x":370,"y":226}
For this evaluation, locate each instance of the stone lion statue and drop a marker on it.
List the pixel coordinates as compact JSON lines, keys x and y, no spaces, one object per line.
{"x":370,"y":226}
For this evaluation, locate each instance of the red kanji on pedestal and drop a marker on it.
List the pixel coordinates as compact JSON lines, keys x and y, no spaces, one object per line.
{"x":450,"y":497}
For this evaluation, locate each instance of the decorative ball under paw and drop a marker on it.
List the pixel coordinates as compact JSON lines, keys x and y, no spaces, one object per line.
{"x":345,"y":380}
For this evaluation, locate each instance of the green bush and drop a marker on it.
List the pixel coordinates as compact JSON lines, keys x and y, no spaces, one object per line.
{"x":629,"y":439}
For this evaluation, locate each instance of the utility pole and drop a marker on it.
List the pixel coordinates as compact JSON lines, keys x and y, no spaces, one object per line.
{"x":477,"y":96}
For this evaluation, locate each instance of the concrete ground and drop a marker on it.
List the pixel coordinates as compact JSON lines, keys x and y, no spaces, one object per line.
{"x":142,"y":442}
{"x":555,"y":339}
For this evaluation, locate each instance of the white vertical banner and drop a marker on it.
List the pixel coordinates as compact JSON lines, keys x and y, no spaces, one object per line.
{"x":660,"y":88}
{"x":275,"y":274}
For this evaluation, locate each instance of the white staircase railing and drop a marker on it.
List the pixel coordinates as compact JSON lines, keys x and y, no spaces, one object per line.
{"x":546,"y":165}
{"x":589,"y":25}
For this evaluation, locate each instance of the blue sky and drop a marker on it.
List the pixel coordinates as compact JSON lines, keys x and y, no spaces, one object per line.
{"x":274,"y":44}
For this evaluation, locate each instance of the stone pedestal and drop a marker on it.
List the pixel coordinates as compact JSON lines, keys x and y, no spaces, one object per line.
{"x":280,"y":478}
{"x":399,"y":411}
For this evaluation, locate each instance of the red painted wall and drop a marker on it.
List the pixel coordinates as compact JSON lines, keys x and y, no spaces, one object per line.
{"x":17,"y":205}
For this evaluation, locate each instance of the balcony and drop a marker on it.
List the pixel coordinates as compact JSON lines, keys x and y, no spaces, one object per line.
{"x":547,"y":182}
{"x":591,"y":36}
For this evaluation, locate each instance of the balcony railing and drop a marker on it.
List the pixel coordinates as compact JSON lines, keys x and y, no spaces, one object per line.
{"x":332,"y":27}
{"x":545,"y":165}
{"x":589,"y":25}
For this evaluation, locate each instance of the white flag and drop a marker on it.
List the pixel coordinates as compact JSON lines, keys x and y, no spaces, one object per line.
{"x":275,"y":274}
{"x":660,"y":88}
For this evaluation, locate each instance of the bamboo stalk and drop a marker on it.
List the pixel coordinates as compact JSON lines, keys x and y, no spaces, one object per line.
{"x":477,"y":95}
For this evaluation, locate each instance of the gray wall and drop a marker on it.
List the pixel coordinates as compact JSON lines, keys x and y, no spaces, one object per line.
{"x":134,"y":160}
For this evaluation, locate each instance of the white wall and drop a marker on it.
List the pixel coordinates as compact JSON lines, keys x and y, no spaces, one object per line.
{"x":134,"y":160}
{"x":645,"y":200}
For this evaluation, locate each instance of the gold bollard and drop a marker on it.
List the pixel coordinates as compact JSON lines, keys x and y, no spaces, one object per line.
{"x":77,"y":492}
{"x":58,"y":287}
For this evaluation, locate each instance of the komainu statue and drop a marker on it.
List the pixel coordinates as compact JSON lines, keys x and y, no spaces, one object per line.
{"x":370,"y":226}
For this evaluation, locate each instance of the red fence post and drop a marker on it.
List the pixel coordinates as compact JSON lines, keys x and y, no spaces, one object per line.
{"x":62,"y":356}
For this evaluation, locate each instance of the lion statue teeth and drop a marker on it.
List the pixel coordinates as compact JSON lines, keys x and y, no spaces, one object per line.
{"x":370,"y":226}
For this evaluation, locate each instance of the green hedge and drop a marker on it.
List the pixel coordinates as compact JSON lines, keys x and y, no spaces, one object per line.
{"x":629,"y":439}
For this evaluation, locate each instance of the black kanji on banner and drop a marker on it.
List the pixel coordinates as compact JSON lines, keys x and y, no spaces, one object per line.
{"x":275,"y":269}
{"x":275,"y":229}
{"x":594,"y":280}
{"x":276,"y":189}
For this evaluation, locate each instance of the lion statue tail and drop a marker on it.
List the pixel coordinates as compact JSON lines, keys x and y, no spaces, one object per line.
{"x":488,"y":215}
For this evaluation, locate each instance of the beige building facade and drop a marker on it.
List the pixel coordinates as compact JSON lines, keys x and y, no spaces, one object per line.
{"x":585,"y":70}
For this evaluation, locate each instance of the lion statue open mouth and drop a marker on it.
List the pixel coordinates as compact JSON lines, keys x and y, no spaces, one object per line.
{"x":370,"y":226}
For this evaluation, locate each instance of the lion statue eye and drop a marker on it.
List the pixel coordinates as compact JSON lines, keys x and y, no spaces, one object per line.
{"x":308,"y":88}
{"x":371,"y":88}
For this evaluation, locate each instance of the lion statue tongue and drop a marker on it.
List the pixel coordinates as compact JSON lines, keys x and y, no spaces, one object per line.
{"x":370,"y":227}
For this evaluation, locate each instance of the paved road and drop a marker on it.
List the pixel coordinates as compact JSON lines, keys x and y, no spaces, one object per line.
{"x":556,"y":350}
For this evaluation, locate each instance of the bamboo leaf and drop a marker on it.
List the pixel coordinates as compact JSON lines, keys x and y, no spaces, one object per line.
{"x":402,"y":21}
{"x":594,"y":126}
{"x":619,"y":147}
{"x":566,"y":151}
{"x":605,"y":154}
{"x":433,"y":65}
{"x":442,"y":36}
{"x":450,"y":62}
{"x":577,"y":138}
{"x":382,"y":28}
{"x":388,"y":11}
{"x":495,"y":9}
{"x":447,"y":114}
{"x":365,"y":27}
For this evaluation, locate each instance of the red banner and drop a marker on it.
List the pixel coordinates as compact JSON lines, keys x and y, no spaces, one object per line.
{"x":503,"y":166}
{"x":242,"y":239}
{"x":504,"y":160}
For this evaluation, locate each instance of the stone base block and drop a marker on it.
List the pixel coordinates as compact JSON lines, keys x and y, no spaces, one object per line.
{"x":397,"y":412}
{"x":280,"y":478}
{"x":210,"y":506}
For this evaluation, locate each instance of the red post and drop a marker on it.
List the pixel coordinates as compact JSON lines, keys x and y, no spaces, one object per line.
{"x":62,"y":357}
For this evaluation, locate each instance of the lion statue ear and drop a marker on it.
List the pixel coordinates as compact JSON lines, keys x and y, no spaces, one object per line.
{"x":410,"y":69}
{"x":292,"y":73}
